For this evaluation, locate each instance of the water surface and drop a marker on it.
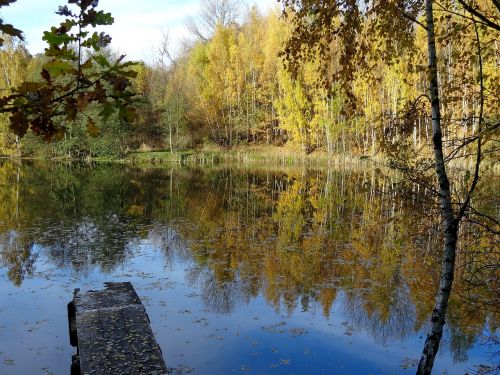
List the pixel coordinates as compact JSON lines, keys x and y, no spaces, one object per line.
{"x":258,"y":271}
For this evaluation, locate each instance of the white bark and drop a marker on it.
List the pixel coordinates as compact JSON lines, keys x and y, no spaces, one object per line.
{"x":451,"y":224}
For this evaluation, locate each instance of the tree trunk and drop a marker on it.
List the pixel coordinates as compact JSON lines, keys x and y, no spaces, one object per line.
{"x":170,"y":135}
{"x":451,"y":225}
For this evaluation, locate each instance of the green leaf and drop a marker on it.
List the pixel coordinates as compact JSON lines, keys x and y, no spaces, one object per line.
{"x":102,"y":18}
{"x":101,"y":60}
{"x":128,"y":63}
{"x":128,"y":73}
{"x":107,"y":110}
{"x":53,"y":39}
{"x":93,"y":41}
{"x":68,"y":24}
{"x":57,"y":67}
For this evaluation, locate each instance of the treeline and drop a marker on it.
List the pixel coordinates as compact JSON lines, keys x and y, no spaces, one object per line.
{"x":230,"y":86}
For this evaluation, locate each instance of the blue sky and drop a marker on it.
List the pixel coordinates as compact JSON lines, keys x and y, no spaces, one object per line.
{"x":138,"y":26}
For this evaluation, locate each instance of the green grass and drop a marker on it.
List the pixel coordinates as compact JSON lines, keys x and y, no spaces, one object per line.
{"x":211,"y":154}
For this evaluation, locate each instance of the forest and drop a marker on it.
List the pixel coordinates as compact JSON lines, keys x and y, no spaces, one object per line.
{"x":231,"y":86}
{"x":408,"y":89}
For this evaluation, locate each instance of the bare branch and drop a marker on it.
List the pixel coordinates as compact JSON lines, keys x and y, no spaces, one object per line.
{"x":446,"y":10}
{"x":164,"y":50}
{"x":213,"y":13}
{"x":413,"y":19}
{"x":479,"y":15}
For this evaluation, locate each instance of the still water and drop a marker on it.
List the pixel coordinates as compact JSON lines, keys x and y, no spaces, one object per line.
{"x":258,"y":271}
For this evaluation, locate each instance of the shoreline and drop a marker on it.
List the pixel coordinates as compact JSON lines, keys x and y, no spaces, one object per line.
{"x":275,"y":155}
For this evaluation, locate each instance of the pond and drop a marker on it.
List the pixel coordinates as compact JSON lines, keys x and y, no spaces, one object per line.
{"x":241,"y":270}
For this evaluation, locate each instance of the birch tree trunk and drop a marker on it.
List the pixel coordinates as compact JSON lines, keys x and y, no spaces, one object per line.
{"x":451,"y":224}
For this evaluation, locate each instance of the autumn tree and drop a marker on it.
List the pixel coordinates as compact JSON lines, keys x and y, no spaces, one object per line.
{"x":317,"y":24}
{"x":14,"y":59}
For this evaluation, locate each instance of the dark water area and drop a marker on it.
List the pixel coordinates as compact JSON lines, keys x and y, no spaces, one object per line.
{"x":241,"y":270}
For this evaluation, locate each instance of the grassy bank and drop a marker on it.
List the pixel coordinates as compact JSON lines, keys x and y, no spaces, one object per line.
{"x":275,"y":156}
{"x":254,"y":155}
{"x":262,"y":154}
{"x":212,"y":155}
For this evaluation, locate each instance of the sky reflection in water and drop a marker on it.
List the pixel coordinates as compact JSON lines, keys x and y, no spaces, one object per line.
{"x":270,"y":271}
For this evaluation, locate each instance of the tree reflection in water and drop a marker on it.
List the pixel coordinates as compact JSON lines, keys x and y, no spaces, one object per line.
{"x":300,"y":238}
